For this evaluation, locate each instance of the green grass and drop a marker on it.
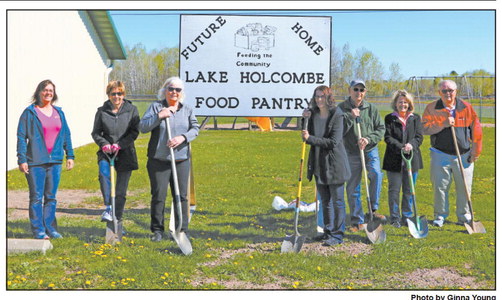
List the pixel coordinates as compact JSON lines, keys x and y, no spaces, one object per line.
{"x":237,"y":234}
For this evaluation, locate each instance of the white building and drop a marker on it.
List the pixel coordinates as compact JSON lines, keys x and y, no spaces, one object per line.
{"x":74,"y":49}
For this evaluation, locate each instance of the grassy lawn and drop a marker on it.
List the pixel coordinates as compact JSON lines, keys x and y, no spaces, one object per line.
{"x":237,"y":234}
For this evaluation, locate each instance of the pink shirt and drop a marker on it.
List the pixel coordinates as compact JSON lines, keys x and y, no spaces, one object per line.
{"x":403,"y":120}
{"x":51,"y":126}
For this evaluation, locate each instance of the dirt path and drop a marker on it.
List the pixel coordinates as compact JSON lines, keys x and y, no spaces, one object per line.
{"x":70,"y":203}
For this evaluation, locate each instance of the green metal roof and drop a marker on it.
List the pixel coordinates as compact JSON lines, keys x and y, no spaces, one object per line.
{"x":107,"y":33}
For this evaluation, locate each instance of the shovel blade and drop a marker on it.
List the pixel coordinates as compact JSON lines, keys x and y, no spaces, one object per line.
{"x":372,"y":225}
{"x":183,"y":242}
{"x":418,"y":228}
{"x":475,"y":227}
{"x":292,"y":243}
{"x":113,"y":235}
{"x":375,"y":232}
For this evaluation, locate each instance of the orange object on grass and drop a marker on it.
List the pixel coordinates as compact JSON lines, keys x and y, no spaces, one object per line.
{"x":263,"y":123}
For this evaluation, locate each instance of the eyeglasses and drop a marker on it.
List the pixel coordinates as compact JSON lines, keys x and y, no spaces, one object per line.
{"x":359,"y":90}
{"x":117,"y":94}
{"x":171,"y":89}
{"x":447,"y":91}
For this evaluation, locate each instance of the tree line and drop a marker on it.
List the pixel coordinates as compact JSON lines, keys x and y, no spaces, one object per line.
{"x":145,"y":71}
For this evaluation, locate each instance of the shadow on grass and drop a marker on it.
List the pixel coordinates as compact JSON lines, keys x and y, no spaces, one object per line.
{"x":267,"y":227}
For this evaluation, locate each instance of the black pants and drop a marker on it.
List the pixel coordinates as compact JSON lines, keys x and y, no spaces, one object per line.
{"x":160,"y":174}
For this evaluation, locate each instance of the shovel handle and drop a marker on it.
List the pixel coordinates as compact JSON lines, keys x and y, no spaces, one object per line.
{"x":365,"y":173}
{"x":175,"y":178}
{"x":461,"y":167}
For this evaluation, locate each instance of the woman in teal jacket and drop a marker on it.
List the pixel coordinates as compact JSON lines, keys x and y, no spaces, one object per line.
{"x":43,"y":136}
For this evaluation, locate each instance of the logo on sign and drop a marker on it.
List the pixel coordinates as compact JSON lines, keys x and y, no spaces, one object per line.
{"x":255,"y":37}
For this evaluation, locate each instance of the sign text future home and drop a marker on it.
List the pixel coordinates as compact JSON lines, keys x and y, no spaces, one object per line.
{"x":253,"y":65}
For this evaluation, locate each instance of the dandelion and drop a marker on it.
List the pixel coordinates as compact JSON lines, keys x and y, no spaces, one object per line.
{"x":411,"y":244}
{"x":461,"y":242}
{"x":86,"y":245}
{"x":319,"y":268}
{"x":208,"y":255}
{"x":166,"y":274}
{"x":87,"y":282}
{"x":51,"y":285}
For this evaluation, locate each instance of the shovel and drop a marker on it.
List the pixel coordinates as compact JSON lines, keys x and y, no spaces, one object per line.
{"x":417,"y":225}
{"x":180,"y":237}
{"x":113,"y":228}
{"x":472,"y":227}
{"x":293,"y":243}
{"x":374,"y":229}
{"x":190,"y":196}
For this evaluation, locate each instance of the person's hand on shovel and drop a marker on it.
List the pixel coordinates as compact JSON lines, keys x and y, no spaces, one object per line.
{"x":407,"y":148}
{"x":363,"y":142}
{"x":306,"y":114}
{"x":176,"y":141}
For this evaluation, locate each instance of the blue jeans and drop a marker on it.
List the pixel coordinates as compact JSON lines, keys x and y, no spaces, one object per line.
{"x":353,"y":187}
{"x":121,"y":183}
{"x":398,"y":180}
{"x":43,"y":182}
{"x":333,"y":206}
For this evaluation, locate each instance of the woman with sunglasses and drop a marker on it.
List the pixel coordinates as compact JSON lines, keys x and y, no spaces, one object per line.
{"x":403,"y":132}
{"x":184,"y":129}
{"x":115,"y":130}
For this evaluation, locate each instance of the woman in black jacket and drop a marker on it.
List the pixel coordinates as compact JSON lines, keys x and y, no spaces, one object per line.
{"x":403,"y":131}
{"x":115,"y":130}
{"x":327,"y":161}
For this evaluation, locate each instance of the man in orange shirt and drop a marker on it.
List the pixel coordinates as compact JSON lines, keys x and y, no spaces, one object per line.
{"x":438,"y":118}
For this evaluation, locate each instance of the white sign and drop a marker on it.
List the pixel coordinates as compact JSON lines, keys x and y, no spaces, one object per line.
{"x":264,"y":66}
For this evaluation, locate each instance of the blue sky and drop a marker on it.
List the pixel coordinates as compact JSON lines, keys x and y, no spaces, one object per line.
{"x":422,"y":42}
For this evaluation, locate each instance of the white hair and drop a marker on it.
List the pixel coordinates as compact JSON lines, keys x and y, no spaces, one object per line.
{"x":451,"y":82}
{"x":161,"y":95}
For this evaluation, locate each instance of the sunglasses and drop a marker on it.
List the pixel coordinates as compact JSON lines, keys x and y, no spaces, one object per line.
{"x":359,"y":90}
{"x":447,"y":91}
{"x":178,"y":90}
{"x":117,"y":94}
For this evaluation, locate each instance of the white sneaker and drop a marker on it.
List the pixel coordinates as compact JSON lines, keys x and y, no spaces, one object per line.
{"x":106,"y":216}
{"x":438,"y":222}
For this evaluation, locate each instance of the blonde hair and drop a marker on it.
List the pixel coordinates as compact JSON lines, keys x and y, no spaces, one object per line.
{"x":402,"y":93}
{"x":161,"y":95}
{"x":115,"y":84}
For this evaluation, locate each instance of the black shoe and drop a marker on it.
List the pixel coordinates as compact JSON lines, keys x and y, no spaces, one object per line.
{"x":321,"y":238}
{"x":396,"y":224}
{"x":156,"y":237}
{"x":332,"y":242}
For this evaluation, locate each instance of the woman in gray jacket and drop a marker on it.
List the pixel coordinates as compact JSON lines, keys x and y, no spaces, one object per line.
{"x":327,"y":162}
{"x":115,"y":130}
{"x":184,"y":128}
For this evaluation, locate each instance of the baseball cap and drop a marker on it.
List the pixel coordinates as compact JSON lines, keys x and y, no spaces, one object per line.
{"x":356,"y":82}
